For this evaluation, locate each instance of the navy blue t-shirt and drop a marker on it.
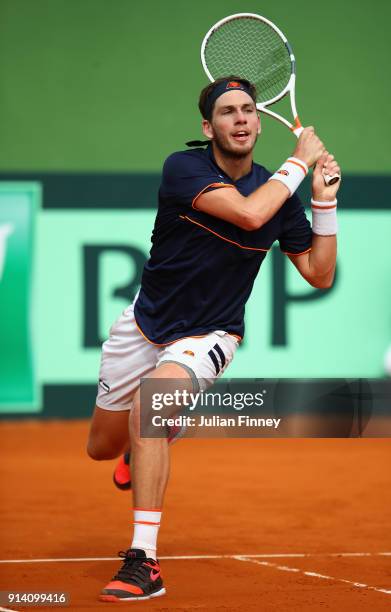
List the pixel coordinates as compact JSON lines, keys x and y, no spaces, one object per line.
{"x":202,"y":269}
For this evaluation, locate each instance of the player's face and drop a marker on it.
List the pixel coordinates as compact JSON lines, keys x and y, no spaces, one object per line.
{"x":235,"y":124}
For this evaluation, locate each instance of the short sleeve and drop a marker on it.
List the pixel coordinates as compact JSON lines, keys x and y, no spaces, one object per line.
{"x":296,"y":236}
{"x":188,"y":174}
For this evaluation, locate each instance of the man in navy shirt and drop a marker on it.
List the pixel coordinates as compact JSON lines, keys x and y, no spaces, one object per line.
{"x":219,"y":214}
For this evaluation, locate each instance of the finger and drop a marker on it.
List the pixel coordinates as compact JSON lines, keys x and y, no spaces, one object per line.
{"x":332,"y":172}
{"x":333,"y":164}
{"x":328,"y":164}
{"x":321,"y":161}
{"x":331,"y":167}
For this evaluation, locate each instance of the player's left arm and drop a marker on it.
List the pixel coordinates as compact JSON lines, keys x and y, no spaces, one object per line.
{"x":318,"y":266}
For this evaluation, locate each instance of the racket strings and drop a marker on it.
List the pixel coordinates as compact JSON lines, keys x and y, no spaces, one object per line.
{"x":250,"y":48}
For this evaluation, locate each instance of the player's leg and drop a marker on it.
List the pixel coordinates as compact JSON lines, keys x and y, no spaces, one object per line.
{"x":150,"y":456}
{"x":197,"y":361}
{"x":209,"y":359}
{"x":139,"y":576}
{"x":122,"y":474}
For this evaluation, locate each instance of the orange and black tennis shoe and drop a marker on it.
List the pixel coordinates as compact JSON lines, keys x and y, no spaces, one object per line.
{"x":121,"y":476}
{"x":138,"y":578}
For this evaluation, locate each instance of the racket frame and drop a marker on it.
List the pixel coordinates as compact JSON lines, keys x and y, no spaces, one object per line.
{"x":290,"y":86}
{"x":295,"y":127}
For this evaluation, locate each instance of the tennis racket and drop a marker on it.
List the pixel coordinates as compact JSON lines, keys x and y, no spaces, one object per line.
{"x":252,"y":47}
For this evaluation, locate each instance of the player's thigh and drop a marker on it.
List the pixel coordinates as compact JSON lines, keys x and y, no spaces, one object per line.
{"x":206,"y":358}
{"x":109,"y":433}
{"x":190,"y":364}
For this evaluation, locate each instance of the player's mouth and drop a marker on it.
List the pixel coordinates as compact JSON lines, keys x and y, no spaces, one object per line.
{"x":241,"y":136}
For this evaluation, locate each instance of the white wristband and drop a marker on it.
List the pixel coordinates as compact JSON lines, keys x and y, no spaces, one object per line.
{"x":324,"y":217}
{"x":291,"y":173}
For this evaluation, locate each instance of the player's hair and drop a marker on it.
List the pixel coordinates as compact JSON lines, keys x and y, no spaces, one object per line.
{"x":206,"y":110}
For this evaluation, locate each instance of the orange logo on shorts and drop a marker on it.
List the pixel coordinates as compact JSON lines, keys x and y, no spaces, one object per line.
{"x":189,"y":353}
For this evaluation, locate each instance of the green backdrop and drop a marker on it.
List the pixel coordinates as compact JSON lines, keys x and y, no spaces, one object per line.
{"x":98,"y":85}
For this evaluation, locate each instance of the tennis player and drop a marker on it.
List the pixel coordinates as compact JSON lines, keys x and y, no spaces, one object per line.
{"x":219,"y":214}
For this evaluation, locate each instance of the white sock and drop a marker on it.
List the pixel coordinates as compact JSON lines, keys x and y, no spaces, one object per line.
{"x":146,"y":529}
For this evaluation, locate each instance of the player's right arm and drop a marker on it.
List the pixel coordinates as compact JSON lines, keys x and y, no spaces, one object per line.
{"x":253,"y":211}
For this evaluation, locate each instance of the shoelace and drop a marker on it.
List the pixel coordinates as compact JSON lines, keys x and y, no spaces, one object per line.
{"x":132,"y":569}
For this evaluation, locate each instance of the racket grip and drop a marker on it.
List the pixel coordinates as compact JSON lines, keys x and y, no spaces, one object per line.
{"x":331,"y":179}
{"x":328,"y":179}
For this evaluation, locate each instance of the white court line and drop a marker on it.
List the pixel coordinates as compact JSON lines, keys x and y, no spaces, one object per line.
{"x":284,"y":568}
{"x":195,"y":557}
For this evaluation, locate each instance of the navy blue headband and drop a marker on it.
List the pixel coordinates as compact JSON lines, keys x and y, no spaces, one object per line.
{"x":220,"y":89}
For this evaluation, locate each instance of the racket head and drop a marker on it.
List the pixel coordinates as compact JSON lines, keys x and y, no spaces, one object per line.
{"x":252,"y":47}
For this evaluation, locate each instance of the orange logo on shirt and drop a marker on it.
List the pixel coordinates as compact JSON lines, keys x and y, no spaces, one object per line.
{"x":189,"y":353}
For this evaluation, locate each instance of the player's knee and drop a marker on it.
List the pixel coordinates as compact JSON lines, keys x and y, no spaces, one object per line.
{"x":136,"y":428}
{"x":100,"y":452}
{"x":94,"y":452}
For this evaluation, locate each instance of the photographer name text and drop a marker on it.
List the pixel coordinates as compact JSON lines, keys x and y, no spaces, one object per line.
{"x":241,"y":420}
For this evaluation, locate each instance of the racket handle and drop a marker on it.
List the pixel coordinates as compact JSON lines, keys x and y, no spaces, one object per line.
{"x":331,"y":179}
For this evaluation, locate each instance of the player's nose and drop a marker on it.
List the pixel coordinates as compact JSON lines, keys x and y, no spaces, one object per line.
{"x":241,"y":117}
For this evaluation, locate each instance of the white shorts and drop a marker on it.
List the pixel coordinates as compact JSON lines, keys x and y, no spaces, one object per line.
{"x":127,"y":357}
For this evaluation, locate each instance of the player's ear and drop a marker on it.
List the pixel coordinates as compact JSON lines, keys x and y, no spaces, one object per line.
{"x":207,"y":128}
{"x":259,"y":123}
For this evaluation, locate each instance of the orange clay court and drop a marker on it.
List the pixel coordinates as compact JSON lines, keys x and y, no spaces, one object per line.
{"x":284,"y":524}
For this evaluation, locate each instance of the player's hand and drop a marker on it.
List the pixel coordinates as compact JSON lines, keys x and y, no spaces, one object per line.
{"x":326,"y":164}
{"x":309,"y":147}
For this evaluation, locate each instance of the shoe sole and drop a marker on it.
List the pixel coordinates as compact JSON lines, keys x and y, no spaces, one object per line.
{"x":115,"y":599}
